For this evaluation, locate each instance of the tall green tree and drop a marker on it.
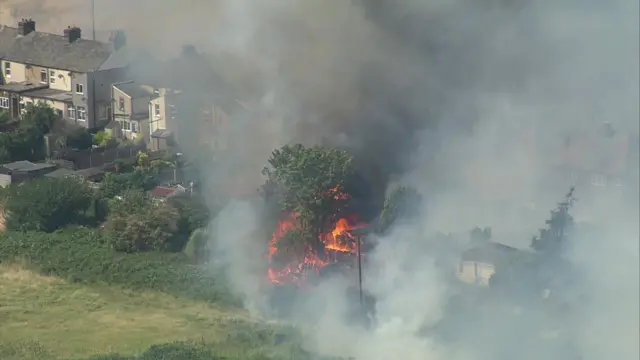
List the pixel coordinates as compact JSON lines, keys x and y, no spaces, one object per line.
{"x":46,"y":204}
{"x":308,"y":181}
{"x":402,"y":203}
{"x":552,"y":238}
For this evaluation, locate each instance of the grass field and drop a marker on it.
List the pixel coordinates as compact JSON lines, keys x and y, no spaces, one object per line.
{"x":47,"y":317}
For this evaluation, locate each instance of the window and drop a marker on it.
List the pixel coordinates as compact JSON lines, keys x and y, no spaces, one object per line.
{"x":72,"y":113}
{"x":126,"y":126}
{"x":134,"y":126}
{"x":7,"y":69}
{"x":598,"y":179}
{"x":156,"y":111}
{"x":121,"y":103}
{"x":82,"y":113}
{"x":79,"y":89}
{"x":4,"y":102}
{"x":43,"y":76}
{"x":52,"y":77}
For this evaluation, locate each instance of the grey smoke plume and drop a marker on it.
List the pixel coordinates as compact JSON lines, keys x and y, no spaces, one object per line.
{"x":464,"y":99}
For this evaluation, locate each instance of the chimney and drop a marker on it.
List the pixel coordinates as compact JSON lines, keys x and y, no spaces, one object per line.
{"x":118,"y":39}
{"x":72,"y":33}
{"x":26,"y":26}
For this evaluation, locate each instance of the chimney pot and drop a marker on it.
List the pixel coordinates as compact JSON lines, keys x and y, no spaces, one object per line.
{"x":26,"y":26}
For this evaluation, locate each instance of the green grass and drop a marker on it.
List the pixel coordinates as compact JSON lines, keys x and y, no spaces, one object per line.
{"x":50,"y":317}
{"x":66,"y":295}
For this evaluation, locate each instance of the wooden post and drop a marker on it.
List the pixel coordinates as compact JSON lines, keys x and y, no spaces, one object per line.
{"x":360,"y":269}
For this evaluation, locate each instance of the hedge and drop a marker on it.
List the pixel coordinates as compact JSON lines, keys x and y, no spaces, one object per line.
{"x":82,"y":255}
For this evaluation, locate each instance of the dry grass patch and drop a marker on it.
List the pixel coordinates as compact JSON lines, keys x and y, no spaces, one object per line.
{"x":74,"y":321}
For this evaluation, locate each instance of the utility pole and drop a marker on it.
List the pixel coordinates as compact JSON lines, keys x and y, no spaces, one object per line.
{"x":360,"y":269}
{"x":93,"y":19}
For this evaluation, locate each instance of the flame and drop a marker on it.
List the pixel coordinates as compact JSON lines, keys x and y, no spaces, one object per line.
{"x":338,"y":243}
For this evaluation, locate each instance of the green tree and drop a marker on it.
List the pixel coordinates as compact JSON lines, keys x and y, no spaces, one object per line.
{"x":551,"y":239}
{"x":403,"y":202}
{"x":194,"y":213}
{"x":5,"y":117}
{"x":115,"y":184}
{"x":46,"y":204}
{"x":79,"y":138}
{"x":104,"y":139}
{"x":40,"y":117}
{"x":136,"y":223}
{"x":308,"y":182}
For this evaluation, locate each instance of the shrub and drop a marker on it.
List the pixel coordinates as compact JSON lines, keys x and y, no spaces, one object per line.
{"x":196,"y":248}
{"x":137,"y":223}
{"x":83,"y":255}
{"x":46,"y":204}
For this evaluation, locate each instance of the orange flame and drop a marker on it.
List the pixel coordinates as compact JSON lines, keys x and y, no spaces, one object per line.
{"x":335,"y":242}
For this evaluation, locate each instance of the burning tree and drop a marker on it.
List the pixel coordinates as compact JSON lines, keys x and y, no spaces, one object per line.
{"x":307,"y":184}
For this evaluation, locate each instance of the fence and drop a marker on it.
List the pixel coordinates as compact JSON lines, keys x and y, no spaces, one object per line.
{"x":84,"y":159}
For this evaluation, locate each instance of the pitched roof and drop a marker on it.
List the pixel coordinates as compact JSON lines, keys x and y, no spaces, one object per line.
{"x":490,"y":252}
{"x":133,"y":89}
{"x":52,"y":50}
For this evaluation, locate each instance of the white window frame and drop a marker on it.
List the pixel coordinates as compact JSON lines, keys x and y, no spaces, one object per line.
{"x":598,"y":179}
{"x":72,"y":112}
{"x":52,"y":76}
{"x":135,"y":126}
{"x":126,"y":126}
{"x":43,"y":72}
{"x":4,"y":102}
{"x":156,"y":111}
{"x":82,"y":113}
{"x":7,"y":69}
{"x":79,"y":89}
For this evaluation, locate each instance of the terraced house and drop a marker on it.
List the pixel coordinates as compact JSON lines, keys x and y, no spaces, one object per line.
{"x":71,"y":74}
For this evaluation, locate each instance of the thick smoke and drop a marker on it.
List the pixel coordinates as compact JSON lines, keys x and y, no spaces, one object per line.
{"x":467,"y":101}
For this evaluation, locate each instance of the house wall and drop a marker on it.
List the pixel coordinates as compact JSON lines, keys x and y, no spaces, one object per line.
{"x":157,"y":120}
{"x":125,"y":112}
{"x":18,"y":73}
{"x":82,"y":100}
{"x":62,"y":80}
{"x":475,"y":273}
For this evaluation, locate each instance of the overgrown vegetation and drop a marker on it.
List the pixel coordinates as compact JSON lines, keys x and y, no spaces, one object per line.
{"x":84,"y":255}
{"x":45,"y":204}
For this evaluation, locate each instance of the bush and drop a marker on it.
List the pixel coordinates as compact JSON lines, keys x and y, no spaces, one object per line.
{"x":196,"y":248}
{"x":78,"y":138}
{"x":46,"y":204}
{"x":137,"y":223}
{"x":83,"y":255}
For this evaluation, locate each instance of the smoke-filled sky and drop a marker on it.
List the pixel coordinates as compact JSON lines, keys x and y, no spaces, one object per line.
{"x":464,"y":99}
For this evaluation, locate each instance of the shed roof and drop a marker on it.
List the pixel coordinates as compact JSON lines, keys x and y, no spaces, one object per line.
{"x":26,"y":166}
